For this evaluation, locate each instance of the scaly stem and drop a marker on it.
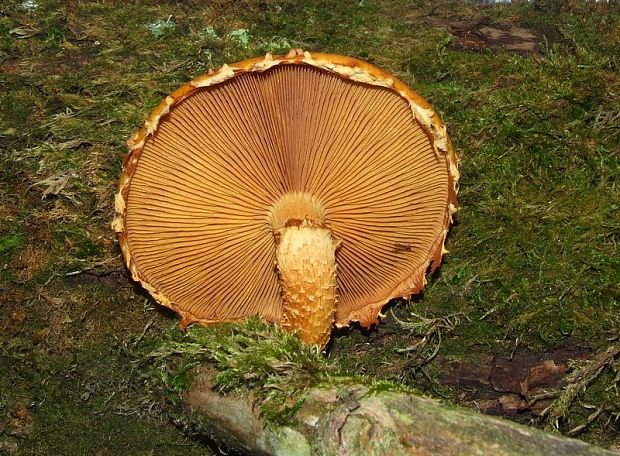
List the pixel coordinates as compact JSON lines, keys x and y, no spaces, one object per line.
{"x":306,"y":258}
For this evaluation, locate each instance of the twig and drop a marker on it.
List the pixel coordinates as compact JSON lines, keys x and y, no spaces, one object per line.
{"x":146,"y":328}
{"x":577,"y":429}
{"x":430,"y":330}
{"x":542,"y":397}
{"x":91,"y":269}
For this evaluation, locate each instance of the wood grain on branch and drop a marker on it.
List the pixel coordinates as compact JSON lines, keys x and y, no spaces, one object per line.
{"x":352,"y":419}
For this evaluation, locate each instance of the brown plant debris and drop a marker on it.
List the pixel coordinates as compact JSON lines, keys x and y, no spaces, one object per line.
{"x":523,"y":383}
{"x":577,"y":382}
{"x":478,"y":35}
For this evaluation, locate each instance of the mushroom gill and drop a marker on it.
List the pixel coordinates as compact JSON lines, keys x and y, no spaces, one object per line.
{"x":309,"y":189}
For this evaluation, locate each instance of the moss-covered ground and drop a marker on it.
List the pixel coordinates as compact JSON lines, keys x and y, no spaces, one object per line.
{"x":533,"y":259}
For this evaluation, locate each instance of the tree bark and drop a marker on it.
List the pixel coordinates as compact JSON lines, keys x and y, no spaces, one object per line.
{"x":352,"y":420}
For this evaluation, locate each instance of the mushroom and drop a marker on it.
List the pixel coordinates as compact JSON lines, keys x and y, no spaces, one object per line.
{"x":309,"y":189}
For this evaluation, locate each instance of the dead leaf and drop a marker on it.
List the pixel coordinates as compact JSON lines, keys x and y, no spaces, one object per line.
{"x":546,"y":375}
{"x":20,"y":422}
{"x":24,"y":32}
{"x":511,"y":404}
{"x":54,"y":184}
{"x":73,"y":144}
{"x":55,"y":302}
{"x":18,"y":315}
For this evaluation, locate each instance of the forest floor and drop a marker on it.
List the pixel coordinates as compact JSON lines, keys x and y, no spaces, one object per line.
{"x":524,"y":309}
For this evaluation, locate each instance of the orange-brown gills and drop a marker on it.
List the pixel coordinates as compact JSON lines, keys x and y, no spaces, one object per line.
{"x":309,"y":189}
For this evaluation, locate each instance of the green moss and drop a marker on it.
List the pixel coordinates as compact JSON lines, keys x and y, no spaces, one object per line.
{"x":253,"y":356}
{"x":534,"y":210}
{"x":10,"y":242}
{"x":89,"y":410}
{"x":380,"y":386}
{"x":77,"y":243}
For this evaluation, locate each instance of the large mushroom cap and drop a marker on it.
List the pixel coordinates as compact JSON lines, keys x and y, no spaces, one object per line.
{"x":223,"y":162}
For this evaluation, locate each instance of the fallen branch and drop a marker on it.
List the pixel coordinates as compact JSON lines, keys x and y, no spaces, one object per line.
{"x":355,"y":419}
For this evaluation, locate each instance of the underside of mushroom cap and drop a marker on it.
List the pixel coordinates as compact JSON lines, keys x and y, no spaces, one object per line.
{"x":203,"y":177}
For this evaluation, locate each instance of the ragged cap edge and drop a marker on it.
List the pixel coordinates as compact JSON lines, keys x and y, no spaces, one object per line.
{"x":414,"y":284}
{"x":345,"y":67}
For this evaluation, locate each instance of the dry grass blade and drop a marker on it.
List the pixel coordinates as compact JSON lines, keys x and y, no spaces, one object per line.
{"x":24,"y":32}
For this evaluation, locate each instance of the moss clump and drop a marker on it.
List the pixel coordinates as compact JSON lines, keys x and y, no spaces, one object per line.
{"x":10,"y":242}
{"x":252,"y":356}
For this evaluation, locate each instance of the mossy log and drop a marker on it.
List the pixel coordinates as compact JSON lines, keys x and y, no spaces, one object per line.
{"x":353,"y":419}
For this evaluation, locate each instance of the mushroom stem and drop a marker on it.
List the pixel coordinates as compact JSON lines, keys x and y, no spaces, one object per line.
{"x":306,"y":256}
